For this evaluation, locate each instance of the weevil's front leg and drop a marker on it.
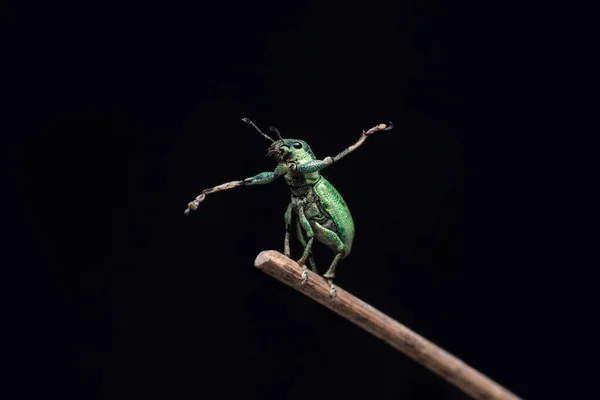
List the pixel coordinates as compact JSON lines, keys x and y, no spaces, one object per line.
{"x":318,"y":165}
{"x":260,"y":179}
{"x":193,"y":205}
{"x":313,"y":166}
{"x":363,"y":137}
{"x":265,"y":177}
{"x":309,"y":232}
{"x":288,"y":228}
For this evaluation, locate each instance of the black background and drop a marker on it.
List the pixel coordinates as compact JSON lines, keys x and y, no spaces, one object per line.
{"x":125,"y":112}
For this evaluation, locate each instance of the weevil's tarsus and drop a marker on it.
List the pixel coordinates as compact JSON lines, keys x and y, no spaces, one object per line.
{"x":380,"y":127}
{"x":332,"y":290}
{"x":193,"y":205}
{"x":304,"y":275}
{"x":249,"y":122}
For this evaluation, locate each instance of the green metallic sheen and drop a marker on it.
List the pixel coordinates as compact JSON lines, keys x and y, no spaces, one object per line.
{"x":321,"y":212}
{"x":337,"y":210}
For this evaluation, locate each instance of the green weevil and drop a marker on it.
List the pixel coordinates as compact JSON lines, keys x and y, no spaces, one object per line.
{"x":321,"y":211}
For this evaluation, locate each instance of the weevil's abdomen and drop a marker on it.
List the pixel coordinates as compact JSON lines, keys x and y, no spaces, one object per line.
{"x":335,"y":206}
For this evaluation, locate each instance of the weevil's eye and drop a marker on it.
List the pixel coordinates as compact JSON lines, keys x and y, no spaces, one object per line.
{"x":297,"y":145}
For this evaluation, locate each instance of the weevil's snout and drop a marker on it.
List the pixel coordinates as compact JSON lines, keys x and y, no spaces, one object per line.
{"x":279,"y":151}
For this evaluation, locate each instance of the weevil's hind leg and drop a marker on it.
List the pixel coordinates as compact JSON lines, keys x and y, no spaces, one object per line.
{"x":333,"y":241}
{"x":330,"y":274}
{"x":302,"y":240}
{"x":288,"y":228}
{"x":309,"y":232}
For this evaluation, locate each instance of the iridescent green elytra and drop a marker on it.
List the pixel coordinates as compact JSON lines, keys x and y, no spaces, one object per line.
{"x":321,"y":212}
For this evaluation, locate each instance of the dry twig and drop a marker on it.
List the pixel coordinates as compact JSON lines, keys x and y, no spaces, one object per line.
{"x":385,"y":328}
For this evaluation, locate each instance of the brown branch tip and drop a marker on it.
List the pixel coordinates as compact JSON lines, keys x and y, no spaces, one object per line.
{"x":426,"y":353}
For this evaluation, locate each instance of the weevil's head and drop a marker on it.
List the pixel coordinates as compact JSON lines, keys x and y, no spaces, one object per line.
{"x":290,"y":150}
{"x":285,"y":149}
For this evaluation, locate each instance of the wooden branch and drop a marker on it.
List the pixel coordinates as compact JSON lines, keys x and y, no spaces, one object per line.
{"x":385,"y":328}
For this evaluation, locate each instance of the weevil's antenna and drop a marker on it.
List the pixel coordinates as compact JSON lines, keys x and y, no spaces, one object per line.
{"x":247,"y":120}
{"x":273,"y":129}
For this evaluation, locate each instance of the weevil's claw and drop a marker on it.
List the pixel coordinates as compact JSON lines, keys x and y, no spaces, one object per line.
{"x":332,"y":290}
{"x":390,"y":126}
{"x":304,"y":275}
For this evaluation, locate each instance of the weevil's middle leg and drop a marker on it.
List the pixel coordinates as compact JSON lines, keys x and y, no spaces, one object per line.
{"x":302,"y":240}
{"x":309,"y":232}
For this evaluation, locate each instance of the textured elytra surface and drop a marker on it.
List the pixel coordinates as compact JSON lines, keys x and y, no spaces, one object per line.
{"x":338,"y":211}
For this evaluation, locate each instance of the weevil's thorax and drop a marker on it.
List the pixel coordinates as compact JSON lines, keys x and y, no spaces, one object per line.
{"x":298,"y":152}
